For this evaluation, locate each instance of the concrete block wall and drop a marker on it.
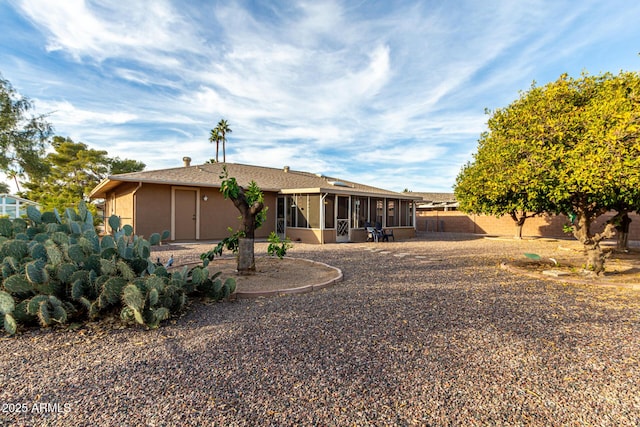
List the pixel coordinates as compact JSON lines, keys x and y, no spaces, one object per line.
{"x":543,"y":226}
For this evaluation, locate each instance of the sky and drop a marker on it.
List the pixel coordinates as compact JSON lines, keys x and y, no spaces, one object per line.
{"x":389,"y":93}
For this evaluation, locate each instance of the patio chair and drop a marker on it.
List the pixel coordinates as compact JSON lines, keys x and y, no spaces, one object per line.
{"x":372,"y":234}
{"x":384,"y":234}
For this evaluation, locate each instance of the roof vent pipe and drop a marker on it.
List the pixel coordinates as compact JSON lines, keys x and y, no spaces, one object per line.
{"x":187,"y":161}
{"x":286,"y":169}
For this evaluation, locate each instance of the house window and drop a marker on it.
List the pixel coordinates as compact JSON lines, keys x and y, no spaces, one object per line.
{"x":376,"y":211}
{"x":406,"y":213}
{"x":313,"y":210}
{"x":329,"y":211}
{"x":291,"y":211}
{"x":392,"y":213}
{"x":297,"y":209}
{"x":303,"y":211}
{"x":359,"y":210}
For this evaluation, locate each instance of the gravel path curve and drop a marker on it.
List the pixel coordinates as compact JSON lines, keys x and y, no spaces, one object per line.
{"x":424,"y":332}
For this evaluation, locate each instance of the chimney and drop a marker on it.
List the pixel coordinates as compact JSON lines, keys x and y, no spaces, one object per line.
{"x":187,"y":161}
{"x":286,"y":169}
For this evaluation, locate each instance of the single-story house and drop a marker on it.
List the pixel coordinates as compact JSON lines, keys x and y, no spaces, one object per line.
{"x":13,"y":206}
{"x":303,"y":206}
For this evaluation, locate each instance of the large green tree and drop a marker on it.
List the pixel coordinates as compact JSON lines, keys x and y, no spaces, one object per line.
{"x":569,"y":147}
{"x":506,"y":177}
{"x":23,"y":136}
{"x":72,"y":171}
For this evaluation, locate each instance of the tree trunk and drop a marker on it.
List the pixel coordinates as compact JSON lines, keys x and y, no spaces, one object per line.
{"x":519,"y":224}
{"x":623,"y":241}
{"x":246,"y":257}
{"x":595,"y":255}
{"x":623,"y":232}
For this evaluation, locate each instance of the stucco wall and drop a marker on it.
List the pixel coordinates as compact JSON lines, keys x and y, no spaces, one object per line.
{"x":544,"y":226}
{"x":306,"y":235}
{"x":120,"y":202}
{"x":153,"y":209}
{"x":151,"y":212}
{"x":216,"y":214}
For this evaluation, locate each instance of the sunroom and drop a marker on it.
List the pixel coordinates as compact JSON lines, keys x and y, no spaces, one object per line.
{"x":328,"y":217}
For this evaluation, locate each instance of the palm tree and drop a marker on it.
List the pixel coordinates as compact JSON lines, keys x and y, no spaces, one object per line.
{"x":215,"y":137}
{"x":12,"y":174}
{"x":223,"y":130}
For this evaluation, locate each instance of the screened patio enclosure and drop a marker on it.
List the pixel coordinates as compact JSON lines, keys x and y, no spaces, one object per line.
{"x":329,"y":217}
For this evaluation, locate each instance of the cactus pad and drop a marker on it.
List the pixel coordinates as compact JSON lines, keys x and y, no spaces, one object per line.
{"x":17,"y":284}
{"x":111,"y":291}
{"x":132,"y":297}
{"x":17,"y":249}
{"x":39,"y":251}
{"x":114,"y":222}
{"x":36,"y":273}
{"x":34,"y":214}
{"x":199,"y":275}
{"x":154,"y":239}
{"x":107,"y":242}
{"x":7,"y":304}
{"x":6,"y":227}
{"x":125,"y":270}
{"x":54,"y":254}
{"x":49,"y":218}
{"x":10,"y":324}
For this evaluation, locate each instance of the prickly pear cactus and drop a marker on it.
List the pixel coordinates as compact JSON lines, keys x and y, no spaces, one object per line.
{"x":55,"y":268}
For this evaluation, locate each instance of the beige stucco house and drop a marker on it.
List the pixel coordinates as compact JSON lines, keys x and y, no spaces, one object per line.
{"x":303,"y":206}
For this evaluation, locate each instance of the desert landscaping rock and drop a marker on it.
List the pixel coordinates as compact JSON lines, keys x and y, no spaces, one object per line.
{"x":453,"y":341}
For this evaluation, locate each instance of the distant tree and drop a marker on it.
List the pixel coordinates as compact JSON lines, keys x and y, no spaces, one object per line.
{"x":568,"y":147}
{"x":23,"y":137}
{"x":219,"y":134}
{"x":223,"y":130}
{"x":4,"y":187}
{"x":13,"y":174}
{"x":73,"y":170}
{"x":215,"y":137}
{"x":118,"y":166}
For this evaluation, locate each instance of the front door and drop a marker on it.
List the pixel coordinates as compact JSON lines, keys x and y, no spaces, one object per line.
{"x":342,"y":220}
{"x":185,"y":218}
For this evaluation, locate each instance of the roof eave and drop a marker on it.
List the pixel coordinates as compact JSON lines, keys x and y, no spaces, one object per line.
{"x":348,"y":191}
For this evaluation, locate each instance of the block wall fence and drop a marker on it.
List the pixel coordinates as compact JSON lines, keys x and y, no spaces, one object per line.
{"x":543,"y":226}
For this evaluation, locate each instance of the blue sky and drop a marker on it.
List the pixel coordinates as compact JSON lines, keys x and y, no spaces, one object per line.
{"x":388,"y":93}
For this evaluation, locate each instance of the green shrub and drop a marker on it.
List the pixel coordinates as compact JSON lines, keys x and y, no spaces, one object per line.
{"x":278,"y":247}
{"x":56,"y":269}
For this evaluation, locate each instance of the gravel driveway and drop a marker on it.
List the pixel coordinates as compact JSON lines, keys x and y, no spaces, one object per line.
{"x":425,"y":332}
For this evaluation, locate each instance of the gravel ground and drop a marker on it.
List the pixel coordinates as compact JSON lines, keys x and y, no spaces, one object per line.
{"x":424,"y":332}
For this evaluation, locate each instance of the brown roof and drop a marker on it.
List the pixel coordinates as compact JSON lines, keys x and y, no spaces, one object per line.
{"x":436,"y":197}
{"x":268,"y":179}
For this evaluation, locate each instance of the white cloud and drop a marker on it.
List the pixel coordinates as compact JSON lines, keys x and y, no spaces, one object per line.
{"x":66,"y":114}
{"x":112,"y":29}
{"x":313,"y":84}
